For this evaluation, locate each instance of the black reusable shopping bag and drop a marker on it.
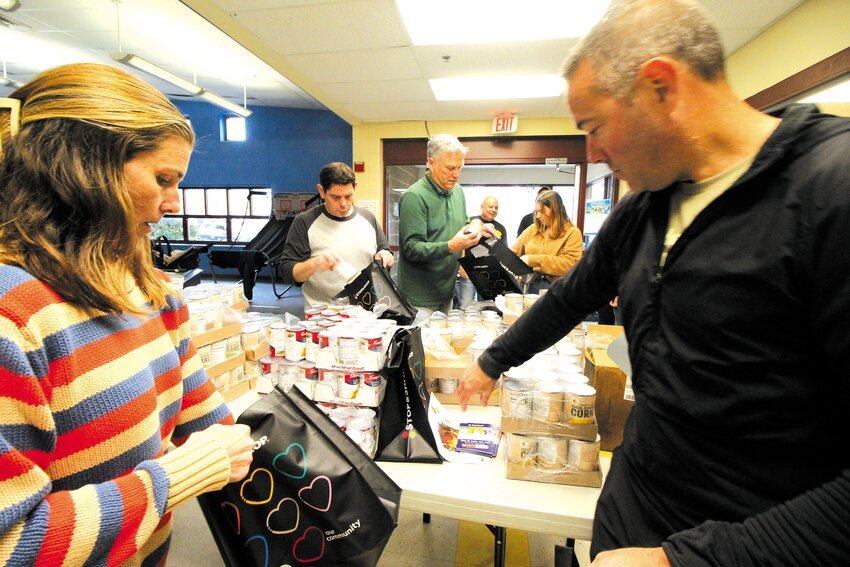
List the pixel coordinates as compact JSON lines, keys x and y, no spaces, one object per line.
{"x":494,"y":269}
{"x":404,"y":433}
{"x":312,"y":496}
{"x":375,"y":291}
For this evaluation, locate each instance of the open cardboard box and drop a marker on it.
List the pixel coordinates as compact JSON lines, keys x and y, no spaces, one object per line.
{"x":451,"y":368}
{"x":612,"y":410}
{"x":257,"y":352}
{"x":225,"y":365}
{"x":232,"y":392}
{"x":223,"y":332}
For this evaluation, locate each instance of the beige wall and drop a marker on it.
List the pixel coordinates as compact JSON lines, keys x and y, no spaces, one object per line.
{"x":368,"y":147}
{"x":813,"y":31}
{"x":810,"y":33}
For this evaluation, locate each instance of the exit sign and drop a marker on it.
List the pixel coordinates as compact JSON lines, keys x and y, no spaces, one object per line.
{"x":505,"y":124}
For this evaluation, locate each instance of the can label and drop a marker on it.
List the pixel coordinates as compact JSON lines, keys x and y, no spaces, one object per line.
{"x":296,"y":342}
{"x":371,"y":342}
{"x":277,"y":336}
{"x":313,"y":334}
{"x":347,"y":384}
{"x":371,"y":379}
{"x":311,"y":353}
{"x":312,"y":313}
{"x":307,"y":371}
{"x":324,"y":339}
{"x":552,"y":452}
{"x":580,"y":402}
{"x":348,"y":349}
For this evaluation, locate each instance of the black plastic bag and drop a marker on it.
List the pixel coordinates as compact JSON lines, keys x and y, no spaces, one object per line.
{"x":404,"y":433}
{"x":312,"y":496}
{"x":374,"y":290}
{"x":494,"y":269}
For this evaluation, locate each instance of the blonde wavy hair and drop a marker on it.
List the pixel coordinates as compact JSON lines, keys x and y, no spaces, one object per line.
{"x":67,"y":216}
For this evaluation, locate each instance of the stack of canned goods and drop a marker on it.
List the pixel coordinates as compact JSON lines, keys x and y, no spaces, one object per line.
{"x":518,"y":303}
{"x":549,"y":388}
{"x":295,"y":350}
{"x":358,"y":423}
{"x":553,"y":453}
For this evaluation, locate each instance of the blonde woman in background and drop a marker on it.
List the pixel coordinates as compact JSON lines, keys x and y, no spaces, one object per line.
{"x":552,"y":245}
{"x":97,"y":373}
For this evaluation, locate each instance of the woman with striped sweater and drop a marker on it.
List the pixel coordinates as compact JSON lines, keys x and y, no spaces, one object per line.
{"x":98,"y":376}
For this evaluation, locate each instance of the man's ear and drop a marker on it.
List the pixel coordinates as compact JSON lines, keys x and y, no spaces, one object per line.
{"x":658,"y":77}
{"x":321,"y":190}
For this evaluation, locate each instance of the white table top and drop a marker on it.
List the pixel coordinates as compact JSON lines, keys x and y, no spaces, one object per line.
{"x":481,"y":493}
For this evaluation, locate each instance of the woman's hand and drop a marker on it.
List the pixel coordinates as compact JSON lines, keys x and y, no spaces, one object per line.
{"x":240,"y":447}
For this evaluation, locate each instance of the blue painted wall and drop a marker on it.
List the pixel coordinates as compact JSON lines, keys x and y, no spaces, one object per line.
{"x":285,"y":149}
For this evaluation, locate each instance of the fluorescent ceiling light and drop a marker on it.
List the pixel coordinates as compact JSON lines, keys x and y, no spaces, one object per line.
{"x":835,"y":93}
{"x":9,"y":5}
{"x":450,"y":22}
{"x":188,"y":86}
{"x":496,"y":88}
{"x":156,"y":71}
{"x":226,"y":104}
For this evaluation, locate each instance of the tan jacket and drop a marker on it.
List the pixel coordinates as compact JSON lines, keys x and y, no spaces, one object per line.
{"x":550,"y":256}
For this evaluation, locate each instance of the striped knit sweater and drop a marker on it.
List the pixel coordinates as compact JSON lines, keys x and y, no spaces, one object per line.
{"x":88,"y":406}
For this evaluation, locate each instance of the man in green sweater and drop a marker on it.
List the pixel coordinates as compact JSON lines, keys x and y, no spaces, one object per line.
{"x":432,"y":217}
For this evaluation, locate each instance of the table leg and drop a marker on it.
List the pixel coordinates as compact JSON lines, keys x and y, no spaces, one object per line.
{"x":499,"y":549}
{"x":566,"y":556}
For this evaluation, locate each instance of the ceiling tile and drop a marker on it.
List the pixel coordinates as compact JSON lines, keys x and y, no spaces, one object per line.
{"x":493,"y":59}
{"x":322,"y":28}
{"x":413,"y":90}
{"x":355,"y":66}
{"x":395,"y":112}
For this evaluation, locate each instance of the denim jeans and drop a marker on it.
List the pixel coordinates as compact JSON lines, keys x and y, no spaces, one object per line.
{"x":464,"y":293}
{"x":538,"y":284}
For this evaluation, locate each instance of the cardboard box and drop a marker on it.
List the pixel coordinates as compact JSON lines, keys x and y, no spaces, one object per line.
{"x":446,"y":368}
{"x":586,"y":431}
{"x":579,"y":478}
{"x":523,"y":464}
{"x":600,"y":336}
{"x":451,"y":368}
{"x":232,"y":392}
{"x":258,"y":351}
{"x":612,"y":410}
{"x":215,"y":335}
{"x":225,"y":365}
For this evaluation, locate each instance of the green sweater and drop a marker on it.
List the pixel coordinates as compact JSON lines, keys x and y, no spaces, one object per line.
{"x":428,"y":218}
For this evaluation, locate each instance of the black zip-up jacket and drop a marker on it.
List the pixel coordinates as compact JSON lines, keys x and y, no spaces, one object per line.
{"x":736,"y":451}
